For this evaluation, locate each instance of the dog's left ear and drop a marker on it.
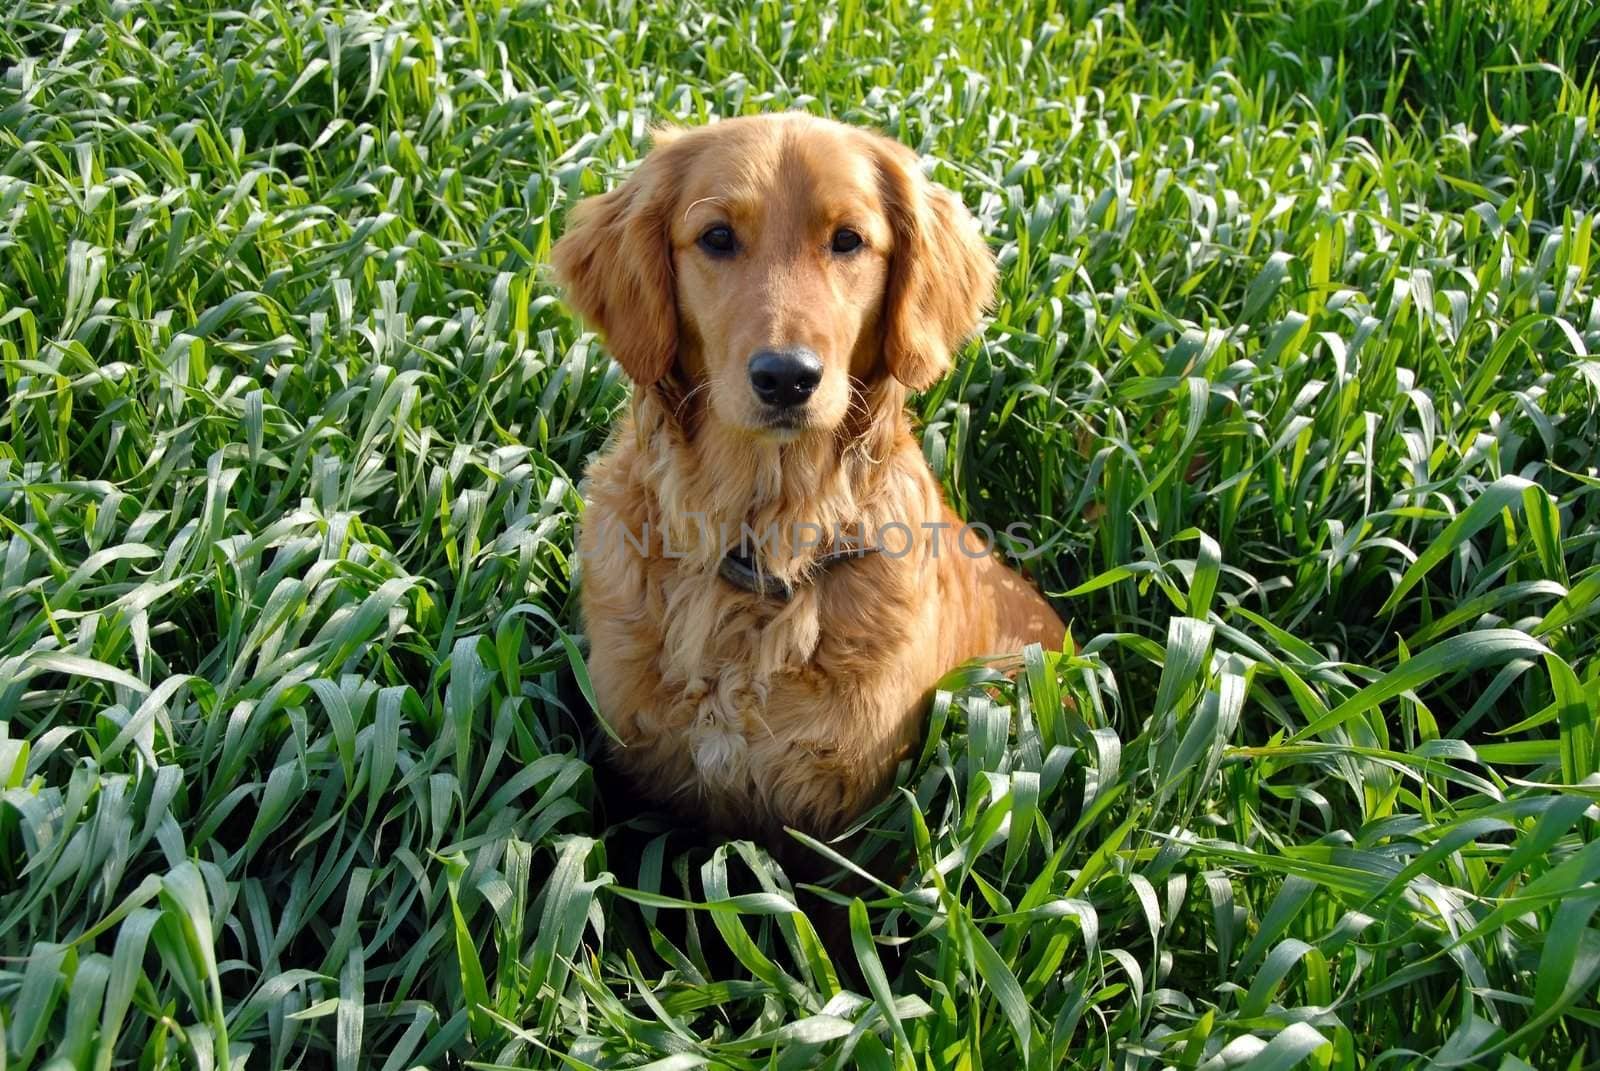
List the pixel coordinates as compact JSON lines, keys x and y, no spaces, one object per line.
{"x":615,"y":263}
{"x":941,"y":272}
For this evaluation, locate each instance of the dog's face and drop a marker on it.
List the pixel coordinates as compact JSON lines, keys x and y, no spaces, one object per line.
{"x":778,"y":263}
{"x":782,"y":248}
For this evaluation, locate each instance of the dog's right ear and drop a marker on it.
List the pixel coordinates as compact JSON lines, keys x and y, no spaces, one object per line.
{"x":615,"y":262}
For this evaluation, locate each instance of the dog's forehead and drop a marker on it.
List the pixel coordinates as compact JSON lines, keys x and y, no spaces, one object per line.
{"x":746,"y":165}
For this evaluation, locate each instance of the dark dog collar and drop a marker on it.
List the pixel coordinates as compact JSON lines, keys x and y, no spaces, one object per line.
{"x":745,"y":573}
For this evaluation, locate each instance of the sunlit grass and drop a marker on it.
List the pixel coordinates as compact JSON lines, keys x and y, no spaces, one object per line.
{"x":1292,"y":374}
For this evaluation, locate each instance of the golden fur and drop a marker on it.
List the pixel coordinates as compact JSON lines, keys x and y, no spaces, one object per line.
{"x":747,"y":711}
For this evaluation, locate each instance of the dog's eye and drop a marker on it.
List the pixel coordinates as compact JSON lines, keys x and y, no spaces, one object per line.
{"x":719,"y":240}
{"x":846,"y":240}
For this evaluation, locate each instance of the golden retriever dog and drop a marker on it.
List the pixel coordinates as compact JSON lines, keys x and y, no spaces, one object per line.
{"x":772,"y":581}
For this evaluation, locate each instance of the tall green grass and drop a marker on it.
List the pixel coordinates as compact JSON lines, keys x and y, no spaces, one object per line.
{"x":1292,"y":374}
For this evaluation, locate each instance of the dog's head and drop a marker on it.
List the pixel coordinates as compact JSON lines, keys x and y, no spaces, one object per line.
{"x":780,"y":262}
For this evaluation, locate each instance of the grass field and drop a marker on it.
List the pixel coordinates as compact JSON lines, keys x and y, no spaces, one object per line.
{"x":1293,"y":370}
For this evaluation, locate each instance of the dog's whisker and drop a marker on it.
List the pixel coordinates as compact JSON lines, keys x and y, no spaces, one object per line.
{"x":701,"y":388}
{"x":718,"y":201}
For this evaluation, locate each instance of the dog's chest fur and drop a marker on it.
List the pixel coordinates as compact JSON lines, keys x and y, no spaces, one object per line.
{"x":751,"y":711}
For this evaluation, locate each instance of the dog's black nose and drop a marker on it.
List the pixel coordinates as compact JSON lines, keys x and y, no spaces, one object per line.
{"x":787,"y":377}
